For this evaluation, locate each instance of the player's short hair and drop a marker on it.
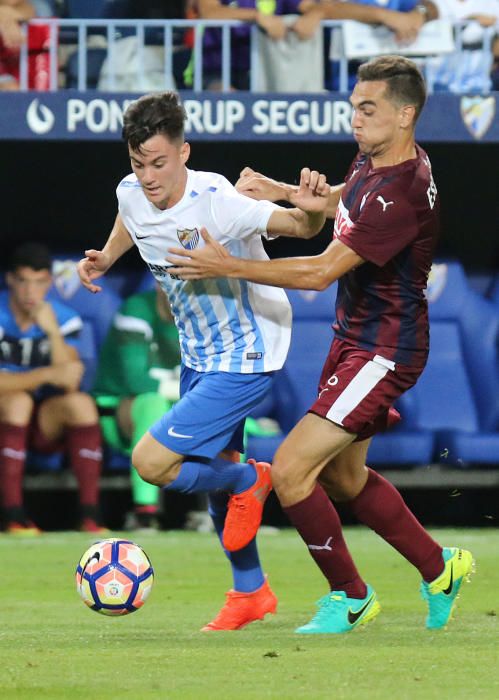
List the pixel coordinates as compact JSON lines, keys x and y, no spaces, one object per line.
{"x":405,"y":83}
{"x":33,"y":255}
{"x":158,"y":113}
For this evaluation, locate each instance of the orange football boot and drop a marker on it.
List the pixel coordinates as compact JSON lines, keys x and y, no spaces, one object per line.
{"x":92,"y":526}
{"x":242,"y":608}
{"x":22,"y":528}
{"x":245,"y":510}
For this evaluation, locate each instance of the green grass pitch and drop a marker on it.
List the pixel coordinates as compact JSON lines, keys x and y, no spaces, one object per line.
{"x":52,"y":646}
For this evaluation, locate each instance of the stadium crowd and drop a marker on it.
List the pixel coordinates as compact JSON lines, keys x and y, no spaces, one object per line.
{"x":290,"y":31}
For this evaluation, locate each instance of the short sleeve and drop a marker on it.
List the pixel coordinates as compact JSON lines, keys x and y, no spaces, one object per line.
{"x":384,"y":228}
{"x":238,"y":216}
{"x":70,"y":325}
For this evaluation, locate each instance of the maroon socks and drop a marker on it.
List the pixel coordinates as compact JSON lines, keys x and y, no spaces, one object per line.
{"x":381,"y":507}
{"x":319,"y":526}
{"x":84,"y":445}
{"x":12,"y":459}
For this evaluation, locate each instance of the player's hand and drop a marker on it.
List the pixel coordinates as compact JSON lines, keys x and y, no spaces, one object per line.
{"x":212,"y":260}
{"x":66,"y":375}
{"x":313,"y":192}
{"x":258,"y":186}
{"x":90,"y":268}
{"x":43,"y":315}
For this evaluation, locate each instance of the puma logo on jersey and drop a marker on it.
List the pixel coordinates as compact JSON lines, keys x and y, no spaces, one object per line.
{"x":384,"y":204}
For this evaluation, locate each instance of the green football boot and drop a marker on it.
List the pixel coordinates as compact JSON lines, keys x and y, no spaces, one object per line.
{"x":441,"y":593}
{"x":338,"y":614}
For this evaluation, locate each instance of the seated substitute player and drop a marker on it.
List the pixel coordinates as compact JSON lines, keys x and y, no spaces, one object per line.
{"x":233,"y":335}
{"x":385,"y":231}
{"x":142,"y":343}
{"x":40,"y":404}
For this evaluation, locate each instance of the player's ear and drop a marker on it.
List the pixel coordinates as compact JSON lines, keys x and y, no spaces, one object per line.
{"x":185,"y":152}
{"x":407,"y":116}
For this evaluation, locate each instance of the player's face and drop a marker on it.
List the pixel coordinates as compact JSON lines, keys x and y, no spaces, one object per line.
{"x":28,"y":288}
{"x":375,"y":120}
{"x":160,"y":169}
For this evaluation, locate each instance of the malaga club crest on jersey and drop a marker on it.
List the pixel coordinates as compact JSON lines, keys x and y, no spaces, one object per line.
{"x":188,"y":237}
{"x":478,"y":114}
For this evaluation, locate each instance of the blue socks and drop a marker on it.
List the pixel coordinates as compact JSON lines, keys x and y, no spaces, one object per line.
{"x":219,"y":474}
{"x":247,"y":572}
{"x":217,"y":478}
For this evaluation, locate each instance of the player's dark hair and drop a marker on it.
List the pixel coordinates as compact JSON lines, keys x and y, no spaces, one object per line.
{"x":33,"y":255}
{"x":159,"y":113}
{"x":405,"y":83}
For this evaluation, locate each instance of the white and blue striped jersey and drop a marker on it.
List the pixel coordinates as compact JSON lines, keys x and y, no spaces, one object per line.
{"x":224,"y":325}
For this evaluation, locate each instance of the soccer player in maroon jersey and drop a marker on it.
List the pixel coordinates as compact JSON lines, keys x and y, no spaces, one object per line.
{"x":386,"y":226}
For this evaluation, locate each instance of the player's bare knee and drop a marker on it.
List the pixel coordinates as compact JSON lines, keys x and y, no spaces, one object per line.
{"x":342,"y":486}
{"x":16,"y":408}
{"x":81,"y":407}
{"x":149,"y":470}
{"x":279,"y":475}
{"x":289,"y":483}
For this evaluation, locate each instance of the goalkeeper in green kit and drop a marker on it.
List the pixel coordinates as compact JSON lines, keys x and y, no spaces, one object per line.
{"x":137,"y":382}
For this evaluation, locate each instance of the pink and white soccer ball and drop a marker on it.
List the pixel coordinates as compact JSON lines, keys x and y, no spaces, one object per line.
{"x":114,"y":577}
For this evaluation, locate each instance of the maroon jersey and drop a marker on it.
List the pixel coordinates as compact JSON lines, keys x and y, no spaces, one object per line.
{"x":390,"y":217}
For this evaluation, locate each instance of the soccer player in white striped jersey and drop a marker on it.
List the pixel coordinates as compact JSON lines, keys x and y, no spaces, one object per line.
{"x":233,"y":334}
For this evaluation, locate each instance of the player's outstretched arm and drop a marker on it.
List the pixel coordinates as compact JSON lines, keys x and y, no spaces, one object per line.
{"x":314,"y":272}
{"x":97,"y":262}
{"x":258,"y":186}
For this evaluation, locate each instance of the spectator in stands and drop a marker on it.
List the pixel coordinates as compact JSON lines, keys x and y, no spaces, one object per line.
{"x":406,"y":24}
{"x":471,"y":68}
{"x":266,"y":15}
{"x":135,"y":384}
{"x":40,"y":405}
{"x":182,"y":38}
{"x":404,"y":17}
{"x":12,"y":14}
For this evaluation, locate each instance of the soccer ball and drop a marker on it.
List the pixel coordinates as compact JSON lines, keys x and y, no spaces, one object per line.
{"x":114,"y":577}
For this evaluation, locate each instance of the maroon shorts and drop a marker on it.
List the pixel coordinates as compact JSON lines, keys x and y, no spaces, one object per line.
{"x":357,"y":389}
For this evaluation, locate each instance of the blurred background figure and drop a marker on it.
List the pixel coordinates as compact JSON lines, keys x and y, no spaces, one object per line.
{"x":41,"y":406}
{"x":137,"y":382}
{"x":12,"y":14}
{"x":152,"y":54}
{"x":473,"y":68}
{"x":267,"y":14}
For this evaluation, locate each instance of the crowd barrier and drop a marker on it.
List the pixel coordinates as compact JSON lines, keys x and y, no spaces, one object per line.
{"x":90,"y":52}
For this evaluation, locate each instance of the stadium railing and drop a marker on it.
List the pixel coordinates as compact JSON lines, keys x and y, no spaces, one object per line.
{"x":77,"y":32}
